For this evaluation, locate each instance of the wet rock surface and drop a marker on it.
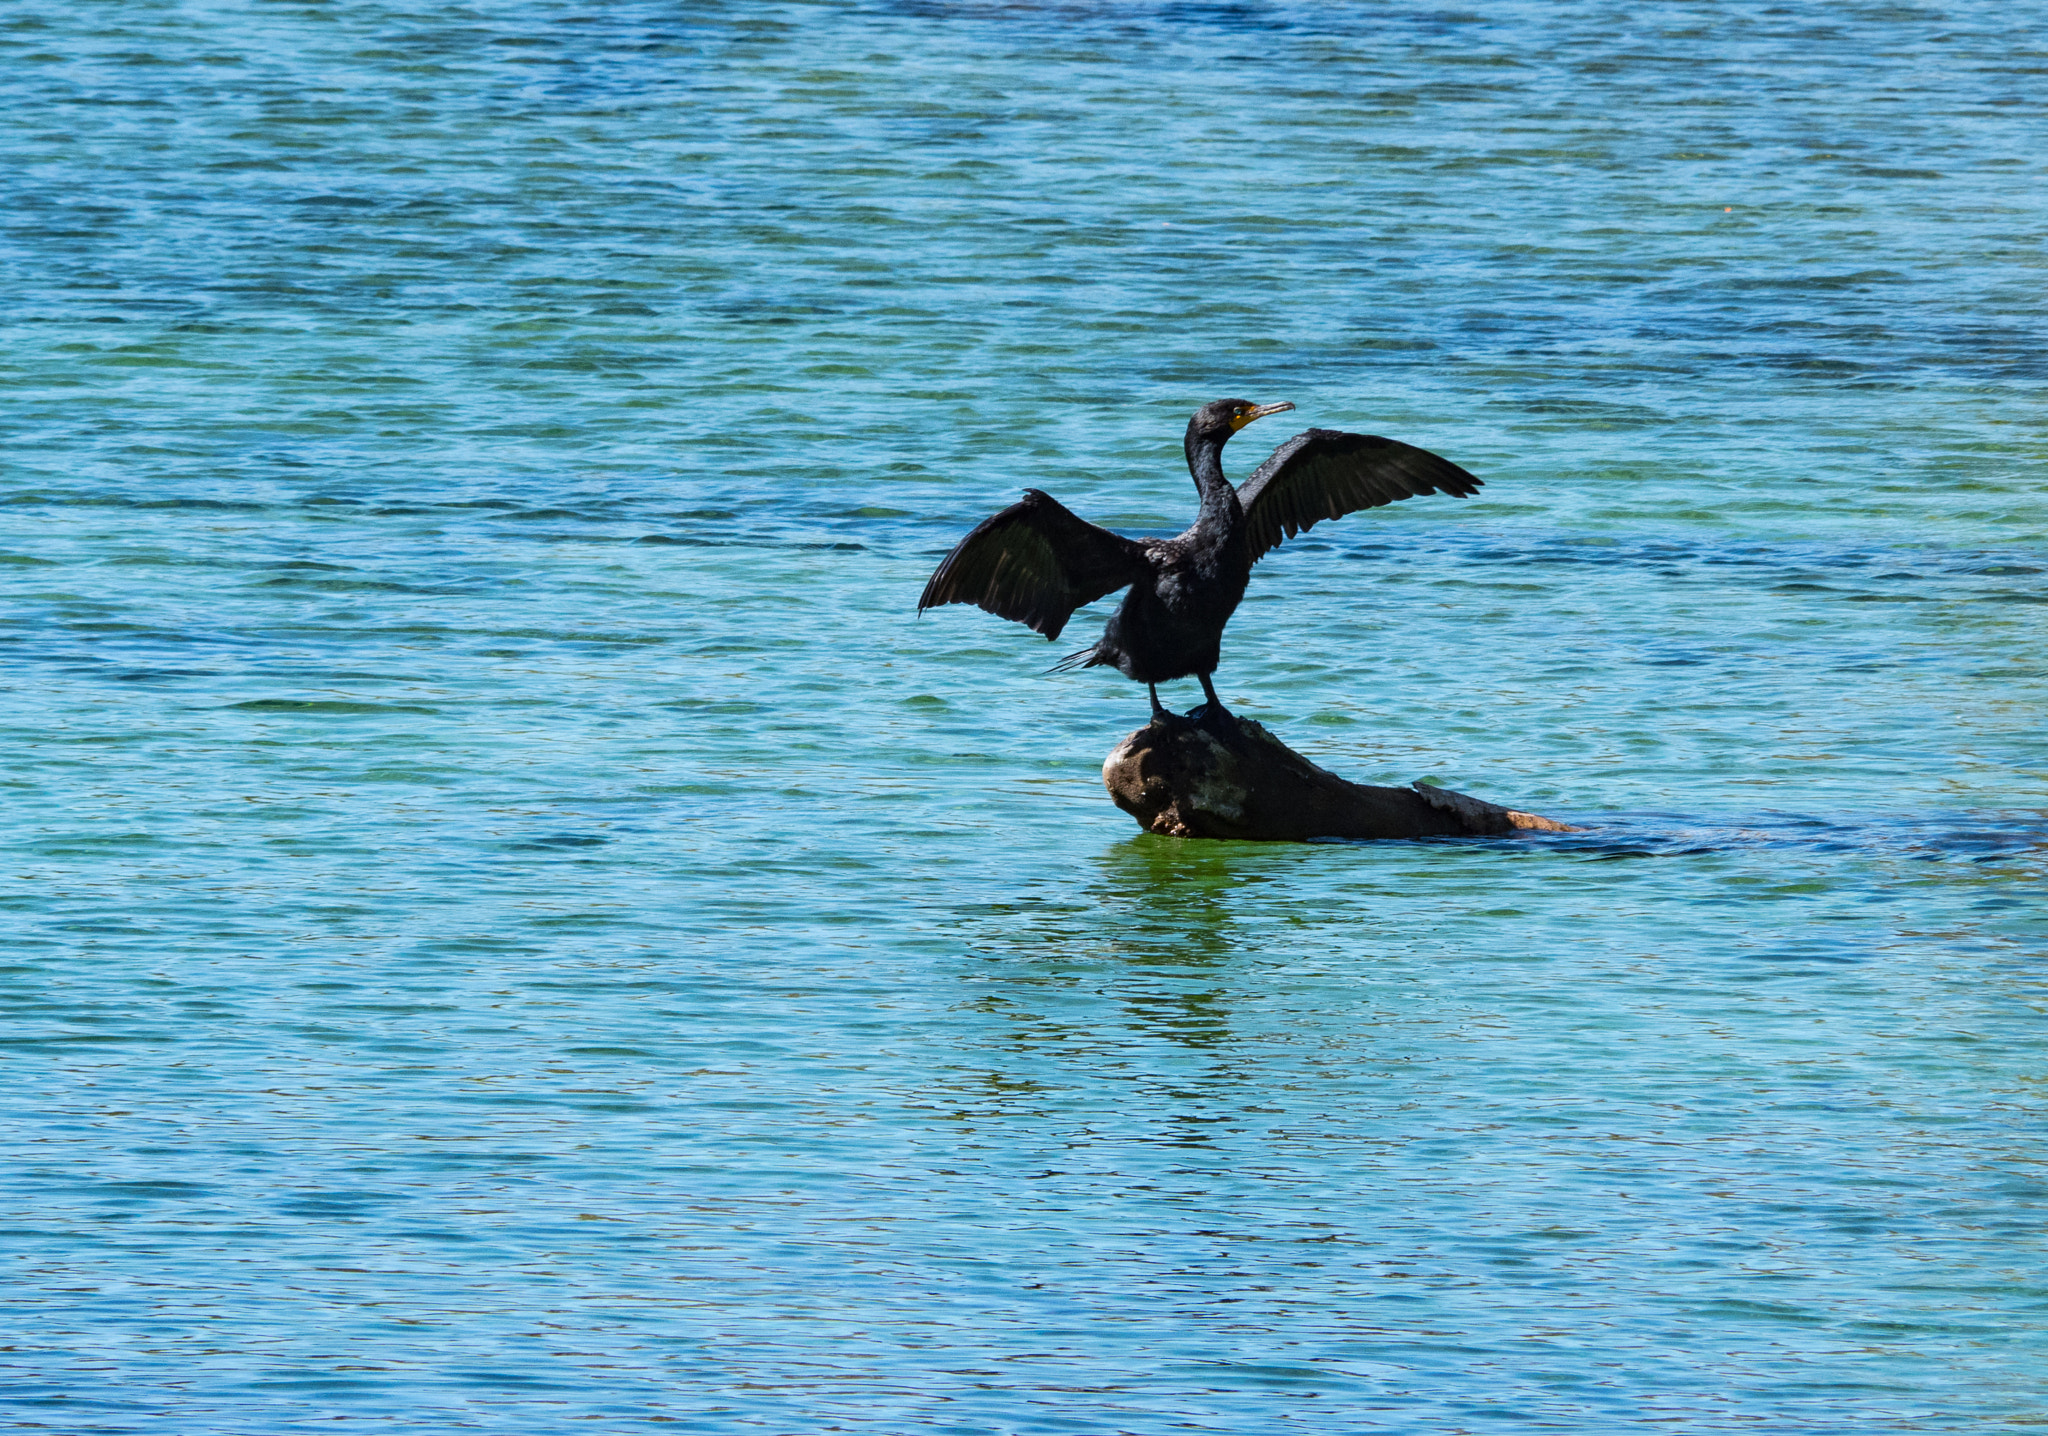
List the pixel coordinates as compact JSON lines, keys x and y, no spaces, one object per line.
{"x":1211,"y":774}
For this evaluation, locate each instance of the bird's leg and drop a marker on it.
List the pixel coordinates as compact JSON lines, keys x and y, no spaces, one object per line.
{"x":1158,"y":708}
{"x":1209,"y":692}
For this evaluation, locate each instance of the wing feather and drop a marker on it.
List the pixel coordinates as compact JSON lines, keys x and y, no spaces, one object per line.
{"x":1035,"y":562}
{"x":1325,"y":473}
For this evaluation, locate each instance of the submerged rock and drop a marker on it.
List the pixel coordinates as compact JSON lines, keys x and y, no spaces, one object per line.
{"x":1213,"y":775}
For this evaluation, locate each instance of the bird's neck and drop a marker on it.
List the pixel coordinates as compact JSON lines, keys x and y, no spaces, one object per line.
{"x":1205,"y":462}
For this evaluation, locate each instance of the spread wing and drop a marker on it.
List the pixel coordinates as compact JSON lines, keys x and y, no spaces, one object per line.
{"x":1035,"y":562}
{"x":1324,"y":474}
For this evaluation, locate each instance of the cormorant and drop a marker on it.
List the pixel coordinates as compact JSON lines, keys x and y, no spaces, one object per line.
{"x":1037,"y":561}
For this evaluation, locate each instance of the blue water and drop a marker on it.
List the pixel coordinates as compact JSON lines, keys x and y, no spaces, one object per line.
{"x":511,"y":923}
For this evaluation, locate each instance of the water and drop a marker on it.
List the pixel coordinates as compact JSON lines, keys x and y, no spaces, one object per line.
{"x":513,"y":925}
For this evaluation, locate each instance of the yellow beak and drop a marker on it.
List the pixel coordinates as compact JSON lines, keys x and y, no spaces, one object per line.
{"x":1257,"y":411}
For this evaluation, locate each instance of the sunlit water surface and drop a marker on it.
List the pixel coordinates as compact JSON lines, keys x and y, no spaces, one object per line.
{"x":512,"y":923}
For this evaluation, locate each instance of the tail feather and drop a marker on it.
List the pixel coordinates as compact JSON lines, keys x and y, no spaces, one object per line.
{"x":1086,"y":658}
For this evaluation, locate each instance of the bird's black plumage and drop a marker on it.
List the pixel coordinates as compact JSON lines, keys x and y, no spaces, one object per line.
{"x":1036,"y":561}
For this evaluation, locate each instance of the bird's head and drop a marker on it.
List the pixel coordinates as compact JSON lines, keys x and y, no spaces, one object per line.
{"x":1224,"y":417}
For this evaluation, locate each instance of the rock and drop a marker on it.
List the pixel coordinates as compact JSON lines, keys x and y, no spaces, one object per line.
{"x":1213,"y":775}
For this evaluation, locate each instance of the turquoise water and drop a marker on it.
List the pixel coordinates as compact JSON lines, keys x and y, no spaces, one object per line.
{"x":513,"y":925}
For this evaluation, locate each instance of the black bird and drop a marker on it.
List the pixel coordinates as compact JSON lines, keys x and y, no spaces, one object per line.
{"x":1037,"y":561}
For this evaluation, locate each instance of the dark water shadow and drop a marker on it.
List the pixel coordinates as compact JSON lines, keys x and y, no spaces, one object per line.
{"x":1978,"y":837}
{"x":1188,"y":877}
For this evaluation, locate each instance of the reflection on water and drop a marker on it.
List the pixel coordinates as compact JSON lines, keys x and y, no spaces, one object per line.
{"x":1170,"y":902}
